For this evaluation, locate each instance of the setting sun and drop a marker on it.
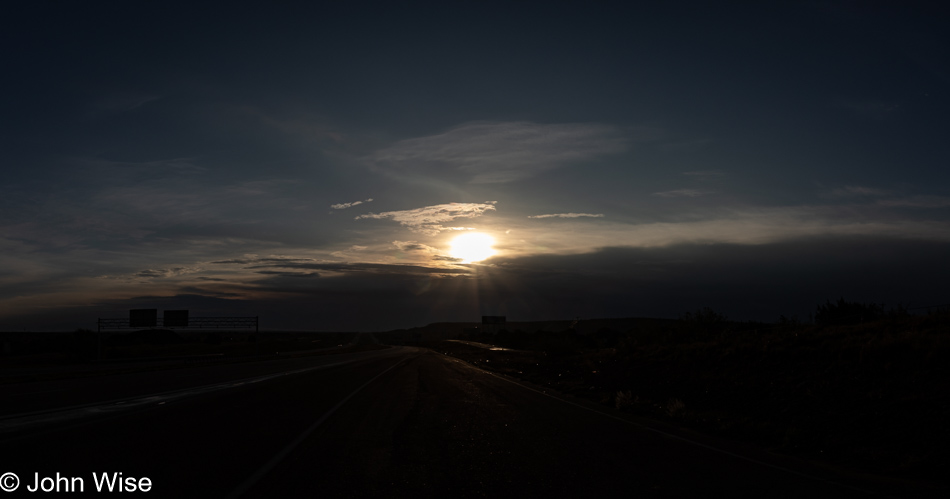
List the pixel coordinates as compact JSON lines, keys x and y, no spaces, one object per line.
{"x":472,"y":247}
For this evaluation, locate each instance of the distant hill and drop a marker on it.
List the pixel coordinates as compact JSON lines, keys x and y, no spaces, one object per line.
{"x":451,"y":330}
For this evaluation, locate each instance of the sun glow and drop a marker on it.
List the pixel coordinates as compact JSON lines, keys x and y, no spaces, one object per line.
{"x":472,"y":247}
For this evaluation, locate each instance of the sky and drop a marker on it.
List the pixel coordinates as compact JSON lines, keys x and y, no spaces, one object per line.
{"x":310,"y":163}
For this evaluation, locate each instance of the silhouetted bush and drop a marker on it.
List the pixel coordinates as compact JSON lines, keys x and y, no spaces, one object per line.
{"x":847,"y":313}
{"x":706,"y":319}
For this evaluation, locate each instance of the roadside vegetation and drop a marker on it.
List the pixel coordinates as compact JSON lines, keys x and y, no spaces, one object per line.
{"x":862,"y":386}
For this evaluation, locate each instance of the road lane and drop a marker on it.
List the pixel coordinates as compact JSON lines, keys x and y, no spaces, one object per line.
{"x":437,"y":428}
{"x":404,"y":423}
{"x":277,"y":459}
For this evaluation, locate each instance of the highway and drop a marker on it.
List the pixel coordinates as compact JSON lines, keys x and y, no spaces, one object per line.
{"x":398,"y":422}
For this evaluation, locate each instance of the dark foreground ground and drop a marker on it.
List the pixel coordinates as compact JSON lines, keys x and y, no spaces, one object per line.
{"x":391,"y":422}
{"x":870,"y":396}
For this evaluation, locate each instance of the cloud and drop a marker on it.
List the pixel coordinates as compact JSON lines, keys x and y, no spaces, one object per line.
{"x":877,"y":110}
{"x":428,"y":220}
{"x":690,"y":193}
{"x":122,"y":103}
{"x":170,"y":272}
{"x":704,"y":173}
{"x":567,"y":215}
{"x":169,"y":202}
{"x":343,"y":206}
{"x":288,"y":274}
{"x":414,"y":246}
{"x":685,"y":144}
{"x":499,"y":152}
{"x":917,"y":202}
{"x":304,"y":125}
{"x":178,"y":201}
{"x":206,"y":293}
{"x":857,"y":190}
{"x":364,"y":268}
{"x":749,"y":226}
{"x":743,"y":282}
{"x":136,"y":171}
{"x":253,"y":259}
{"x":888,"y":198}
{"x":292,"y":267}
{"x":347,"y":253}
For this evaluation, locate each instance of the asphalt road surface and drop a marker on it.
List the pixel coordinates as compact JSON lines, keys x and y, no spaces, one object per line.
{"x":399,"y":422}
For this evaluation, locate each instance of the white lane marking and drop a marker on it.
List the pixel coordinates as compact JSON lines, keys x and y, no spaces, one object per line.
{"x":670,"y":435}
{"x":34,"y":418}
{"x":274,"y":461}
